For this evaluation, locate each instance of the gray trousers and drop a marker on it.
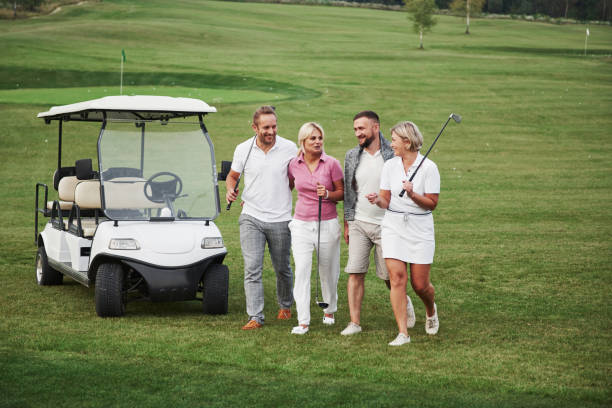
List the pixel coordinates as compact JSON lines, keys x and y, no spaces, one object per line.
{"x":253,"y":237}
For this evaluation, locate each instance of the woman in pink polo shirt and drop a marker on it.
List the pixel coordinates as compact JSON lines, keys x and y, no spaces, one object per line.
{"x":315,"y":174}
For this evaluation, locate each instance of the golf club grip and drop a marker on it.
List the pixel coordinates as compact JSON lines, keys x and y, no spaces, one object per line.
{"x":229,"y":205}
{"x":401,"y":194}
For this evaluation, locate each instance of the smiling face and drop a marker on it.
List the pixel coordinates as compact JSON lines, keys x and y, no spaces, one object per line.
{"x":313,"y":144}
{"x":366,"y":131}
{"x":399,"y":145}
{"x":265,"y":128}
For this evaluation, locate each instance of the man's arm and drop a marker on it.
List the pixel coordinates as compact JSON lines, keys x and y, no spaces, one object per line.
{"x":231,"y":182}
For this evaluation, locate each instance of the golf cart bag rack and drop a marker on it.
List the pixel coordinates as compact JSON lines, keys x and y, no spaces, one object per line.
{"x":44,"y":211}
{"x":67,"y":206}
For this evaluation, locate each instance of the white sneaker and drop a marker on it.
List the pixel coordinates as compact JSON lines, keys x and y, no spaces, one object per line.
{"x":432,"y":324}
{"x":401,"y":339}
{"x":299,"y":330}
{"x":351,"y":329}
{"x":328,"y":320}
{"x":410,"y":322}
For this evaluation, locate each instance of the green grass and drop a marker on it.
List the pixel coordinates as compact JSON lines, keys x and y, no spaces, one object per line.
{"x":65,"y":96}
{"x":523,"y":227}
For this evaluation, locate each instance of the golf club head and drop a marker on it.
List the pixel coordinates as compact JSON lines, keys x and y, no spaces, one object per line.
{"x":323,"y":305}
{"x":456,"y":118}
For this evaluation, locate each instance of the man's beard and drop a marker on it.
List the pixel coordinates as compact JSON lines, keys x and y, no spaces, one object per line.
{"x":367,"y":142}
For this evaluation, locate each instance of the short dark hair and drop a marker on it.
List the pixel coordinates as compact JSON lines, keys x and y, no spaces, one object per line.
{"x":367,"y":114}
{"x":263,"y":110}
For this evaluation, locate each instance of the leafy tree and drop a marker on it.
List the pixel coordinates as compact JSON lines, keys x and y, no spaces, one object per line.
{"x":29,"y":5}
{"x":469,"y":7}
{"x":422,"y":16}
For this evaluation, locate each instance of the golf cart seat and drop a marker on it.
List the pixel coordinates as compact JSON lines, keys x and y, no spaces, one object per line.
{"x":65,"y":190}
{"x":127,"y":192}
{"x":61,"y":173}
{"x":66,"y":180}
{"x":87,"y":197}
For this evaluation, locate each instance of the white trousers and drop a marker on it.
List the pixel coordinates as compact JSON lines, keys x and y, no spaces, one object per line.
{"x":303,"y":242}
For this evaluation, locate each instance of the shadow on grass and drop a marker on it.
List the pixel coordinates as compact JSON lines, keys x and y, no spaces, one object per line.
{"x":20,"y":78}
{"x":159,"y":377}
{"x":83,"y":297}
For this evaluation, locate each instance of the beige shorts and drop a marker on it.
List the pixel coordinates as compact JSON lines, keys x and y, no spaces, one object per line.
{"x":362,"y":237}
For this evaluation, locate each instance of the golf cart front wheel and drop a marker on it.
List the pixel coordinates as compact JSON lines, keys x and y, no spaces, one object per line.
{"x":45,"y":274}
{"x":215,"y":289}
{"x":110,"y":294}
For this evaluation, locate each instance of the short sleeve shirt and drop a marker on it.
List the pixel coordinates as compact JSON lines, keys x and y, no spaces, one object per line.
{"x":426,"y":181}
{"x":266,"y":193}
{"x":328,"y":170}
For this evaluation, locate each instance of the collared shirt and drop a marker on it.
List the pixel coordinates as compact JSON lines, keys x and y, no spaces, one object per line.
{"x":327,"y":171}
{"x":426,"y":181}
{"x":351,"y":161}
{"x":266,"y":193}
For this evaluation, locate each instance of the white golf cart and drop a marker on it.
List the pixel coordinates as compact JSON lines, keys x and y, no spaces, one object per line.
{"x":141,"y":226}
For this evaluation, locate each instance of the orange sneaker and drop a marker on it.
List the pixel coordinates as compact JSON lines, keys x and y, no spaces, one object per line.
{"x":252,"y":325}
{"x":284,"y":314}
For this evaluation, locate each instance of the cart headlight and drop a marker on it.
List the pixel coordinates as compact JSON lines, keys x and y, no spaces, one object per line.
{"x":123,"y":243}
{"x":216,"y":242}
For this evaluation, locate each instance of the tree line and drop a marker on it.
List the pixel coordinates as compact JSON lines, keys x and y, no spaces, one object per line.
{"x":582,"y":10}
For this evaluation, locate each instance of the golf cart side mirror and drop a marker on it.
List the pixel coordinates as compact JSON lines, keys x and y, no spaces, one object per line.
{"x":226,"y":166}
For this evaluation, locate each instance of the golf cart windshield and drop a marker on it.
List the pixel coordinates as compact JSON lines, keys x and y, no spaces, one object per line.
{"x":157,"y":171}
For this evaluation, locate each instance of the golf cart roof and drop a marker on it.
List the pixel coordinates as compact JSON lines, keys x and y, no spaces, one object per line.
{"x":137,"y":107}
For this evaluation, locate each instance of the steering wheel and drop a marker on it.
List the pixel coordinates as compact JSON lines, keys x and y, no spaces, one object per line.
{"x":162,"y":190}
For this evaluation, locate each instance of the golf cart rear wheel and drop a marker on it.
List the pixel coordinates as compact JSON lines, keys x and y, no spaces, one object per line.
{"x":110,"y":294}
{"x":45,"y":274}
{"x":215,"y":284}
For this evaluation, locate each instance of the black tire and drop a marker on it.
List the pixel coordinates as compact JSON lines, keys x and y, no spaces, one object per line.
{"x":215,"y":290}
{"x":45,"y":274}
{"x":110,"y":296}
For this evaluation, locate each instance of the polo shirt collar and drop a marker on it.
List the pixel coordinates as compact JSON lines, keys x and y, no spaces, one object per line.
{"x":272,"y":148}
{"x":417,"y":161}
{"x":323,"y":157}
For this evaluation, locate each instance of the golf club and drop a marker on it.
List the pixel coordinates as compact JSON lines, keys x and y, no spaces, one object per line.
{"x":322,"y":305}
{"x":453,"y":116}
{"x":229,"y":205}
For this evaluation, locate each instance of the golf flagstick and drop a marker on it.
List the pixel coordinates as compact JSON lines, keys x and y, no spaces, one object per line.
{"x":123,"y":59}
{"x":322,"y":305}
{"x":229,"y":205}
{"x":456,"y":118}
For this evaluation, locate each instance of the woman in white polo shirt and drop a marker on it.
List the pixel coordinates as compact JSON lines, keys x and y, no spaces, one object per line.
{"x":408,"y":228}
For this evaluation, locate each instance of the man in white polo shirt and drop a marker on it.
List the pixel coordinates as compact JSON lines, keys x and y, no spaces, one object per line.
{"x":362,"y":221}
{"x":266,"y":212}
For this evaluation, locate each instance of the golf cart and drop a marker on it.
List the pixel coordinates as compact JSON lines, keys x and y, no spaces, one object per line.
{"x":141,"y":225}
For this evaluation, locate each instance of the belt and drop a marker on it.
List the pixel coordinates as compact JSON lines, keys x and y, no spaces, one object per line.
{"x":408,"y":214}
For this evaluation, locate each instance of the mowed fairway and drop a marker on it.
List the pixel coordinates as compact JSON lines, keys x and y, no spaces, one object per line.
{"x":523,"y":227}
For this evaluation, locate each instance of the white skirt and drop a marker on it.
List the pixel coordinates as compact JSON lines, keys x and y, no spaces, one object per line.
{"x":409,"y":238}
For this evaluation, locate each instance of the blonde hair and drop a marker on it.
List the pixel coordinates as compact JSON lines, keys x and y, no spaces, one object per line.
{"x":305,"y":132}
{"x":409,"y":132}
